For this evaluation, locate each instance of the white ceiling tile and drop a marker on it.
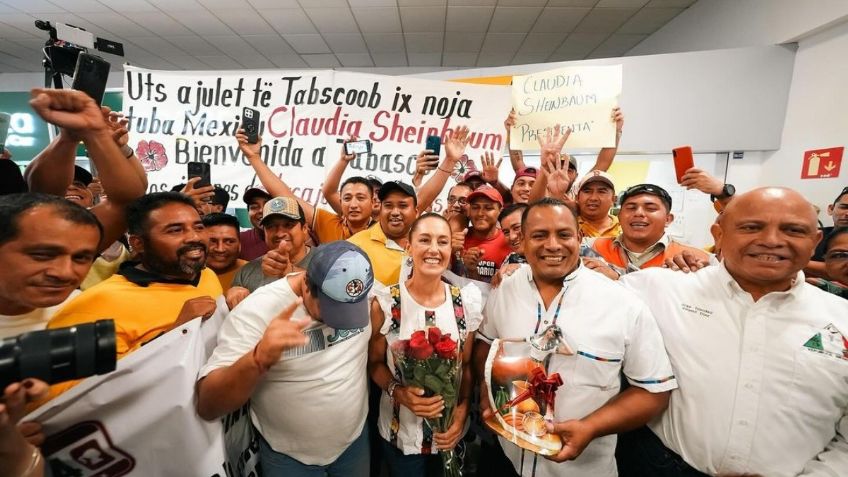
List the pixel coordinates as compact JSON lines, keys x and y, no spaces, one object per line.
{"x":372,"y":3}
{"x":572,"y":3}
{"x":494,"y":58}
{"x":79,"y":6}
{"x":578,"y":45}
{"x":323,"y":3}
{"x":467,"y":19}
{"x":618,"y":44}
{"x":459,"y":42}
{"x":288,"y":61}
{"x":310,"y":44}
{"x":389,"y":59}
{"x":472,"y":3}
{"x":649,"y":20}
{"x":13,"y":33}
{"x":215,"y":5}
{"x":522,"y":3}
{"x":115,"y":23}
{"x":262,"y":4}
{"x":422,"y":3}
{"x":621,"y":3}
{"x":35,"y":6}
{"x":9,"y":9}
{"x":513,"y":19}
{"x":270,"y":45}
{"x":425,"y":59}
{"x":385,"y":43}
{"x":194,"y":45}
{"x":506,"y":43}
{"x":459,"y":59}
{"x":355,"y":59}
{"x":333,"y":20}
{"x":559,"y":19}
{"x":288,"y":20}
{"x":671,"y":3}
{"x":244,"y":21}
{"x":232,"y":45}
{"x":154,"y":44}
{"x":204,"y":23}
{"x":160,"y":24}
{"x":541,"y":43}
{"x":22,"y":48}
{"x":378,"y":19}
{"x":423,"y":42}
{"x":321,"y":61}
{"x":221,"y":62}
{"x":604,"y":20}
{"x":422,"y":19}
{"x":255,"y":62}
{"x":177,"y":6}
{"x":158,"y":64}
{"x":346,"y":42}
{"x":188,"y":62}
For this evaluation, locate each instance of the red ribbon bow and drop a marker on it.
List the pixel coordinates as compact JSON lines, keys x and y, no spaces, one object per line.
{"x":540,"y":387}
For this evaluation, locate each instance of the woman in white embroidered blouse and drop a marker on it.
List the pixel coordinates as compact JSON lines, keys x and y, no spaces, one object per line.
{"x":420,"y":302}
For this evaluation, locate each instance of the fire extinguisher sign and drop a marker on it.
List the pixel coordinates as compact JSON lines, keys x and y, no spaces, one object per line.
{"x":822,"y":163}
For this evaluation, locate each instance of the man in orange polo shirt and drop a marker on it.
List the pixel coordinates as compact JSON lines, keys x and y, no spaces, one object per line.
{"x":643,"y":242}
{"x":595,"y":198}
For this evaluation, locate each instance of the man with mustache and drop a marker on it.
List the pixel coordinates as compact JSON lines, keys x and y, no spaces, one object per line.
{"x":595,"y":198}
{"x":224,"y":247}
{"x":643,"y":243}
{"x":761,"y":355}
{"x":167,"y":287}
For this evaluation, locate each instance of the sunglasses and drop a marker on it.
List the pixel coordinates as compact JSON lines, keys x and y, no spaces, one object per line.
{"x":646,"y":189}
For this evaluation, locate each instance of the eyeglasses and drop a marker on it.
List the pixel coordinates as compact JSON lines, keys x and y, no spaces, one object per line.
{"x":460,"y":200}
{"x":646,"y":189}
{"x":838,"y":256}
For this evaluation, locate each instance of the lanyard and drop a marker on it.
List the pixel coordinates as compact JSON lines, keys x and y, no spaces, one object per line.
{"x":556,"y":312}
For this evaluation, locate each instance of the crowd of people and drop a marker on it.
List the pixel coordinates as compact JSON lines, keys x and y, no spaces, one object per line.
{"x":728,"y":361}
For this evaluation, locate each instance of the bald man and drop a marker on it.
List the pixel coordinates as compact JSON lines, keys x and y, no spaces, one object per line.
{"x":760,"y":356}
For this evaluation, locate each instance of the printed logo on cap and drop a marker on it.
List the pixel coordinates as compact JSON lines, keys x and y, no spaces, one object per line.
{"x":354,"y":288}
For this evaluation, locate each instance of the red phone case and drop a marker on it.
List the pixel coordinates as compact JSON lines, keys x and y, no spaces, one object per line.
{"x":683,"y":161}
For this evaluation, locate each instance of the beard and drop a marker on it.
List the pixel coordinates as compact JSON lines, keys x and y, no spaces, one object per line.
{"x":181,"y":266}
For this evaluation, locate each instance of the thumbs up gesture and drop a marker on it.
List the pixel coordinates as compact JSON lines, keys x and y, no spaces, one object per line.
{"x":458,"y":240}
{"x":277,"y":263}
{"x":280,"y":335}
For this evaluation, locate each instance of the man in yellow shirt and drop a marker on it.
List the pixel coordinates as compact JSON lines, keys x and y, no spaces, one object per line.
{"x":166,"y":288}
{"x":595,"y":198}
{"x":385,"y":242}
{"x":224,"y":247}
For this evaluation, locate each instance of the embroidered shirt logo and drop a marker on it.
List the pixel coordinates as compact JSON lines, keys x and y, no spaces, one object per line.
{"x":829,"y":341}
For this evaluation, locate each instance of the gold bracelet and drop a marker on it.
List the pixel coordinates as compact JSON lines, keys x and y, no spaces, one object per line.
{"x":33,"y":463}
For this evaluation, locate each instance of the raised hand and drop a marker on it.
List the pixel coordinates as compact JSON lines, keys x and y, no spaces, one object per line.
{"x":455,"y":143}
{"x":200,"y":195}
{"x":490,"y":169}
{"x":250,"y":151}
{"x":277,"y":263}
{"x":618,"y":118}
{"x":69,"y":109}
{"x":551,"y":144}
{"x":344,"y":156}
{"x":695,"y":178}
{"x":280,"y":335}
{"x":426,"y":162}
{"x":558,"y":180}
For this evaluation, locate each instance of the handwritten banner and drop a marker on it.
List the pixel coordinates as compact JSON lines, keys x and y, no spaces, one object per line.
{"x":580,"y":97}
{"x":179,"y":117}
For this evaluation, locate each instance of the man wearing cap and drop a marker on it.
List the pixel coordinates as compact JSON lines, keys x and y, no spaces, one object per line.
{"x":385,"y":242}
{"x":595,"y":198}
{"x":485,"y":247}
{"x":285,"y":236}
{"x":523,"y":184}
{"x":643,"y":243}
{"x":253,"y":240}
{"x":308,"y":394}
{"x":78,"y":191}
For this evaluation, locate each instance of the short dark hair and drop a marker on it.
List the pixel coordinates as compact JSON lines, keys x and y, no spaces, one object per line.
{"x":12,"y":206}
{"x":828,"y":240}
{"x":138,"y":212}
{"x":220,"y":197}
{"x":545,"y":202}
{"x":375,"y":182}
{"x":213,"y":220}
{"x":358,"y":180}
{"x":511,"y":209}
{"x":838,"y":197}
{"x":461,"y":184}
{"x":424,"y":216}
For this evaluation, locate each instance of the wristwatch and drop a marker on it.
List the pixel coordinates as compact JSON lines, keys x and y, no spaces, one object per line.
{"x":727,"y":191}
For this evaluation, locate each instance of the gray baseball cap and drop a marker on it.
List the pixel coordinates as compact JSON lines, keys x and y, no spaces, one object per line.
{"x":344,"y":276}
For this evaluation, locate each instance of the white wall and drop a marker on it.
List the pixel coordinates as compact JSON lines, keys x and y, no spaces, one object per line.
{"x":818,"y":98}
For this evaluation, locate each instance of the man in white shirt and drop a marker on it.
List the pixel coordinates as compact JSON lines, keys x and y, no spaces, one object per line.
{"x":308,"y":394}
{"x":613,"y":331}
{"x":47,"y":245}
{"x":760,"y":355}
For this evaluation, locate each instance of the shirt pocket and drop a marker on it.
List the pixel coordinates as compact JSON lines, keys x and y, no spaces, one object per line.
{"x":597,"y":368}
{"x":820,"y":377}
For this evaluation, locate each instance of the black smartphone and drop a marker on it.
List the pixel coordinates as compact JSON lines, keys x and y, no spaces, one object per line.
{"x":434,"y":143}
{"x":358,"y":147}
{"x":250,"y":124}
{"x":202,"y":170}
{"x":90,"y":75}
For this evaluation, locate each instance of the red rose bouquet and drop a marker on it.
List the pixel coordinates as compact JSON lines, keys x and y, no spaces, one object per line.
{"x":432,"y":361}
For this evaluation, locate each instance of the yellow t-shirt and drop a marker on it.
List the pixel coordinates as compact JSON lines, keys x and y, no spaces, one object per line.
{"x":226,"y":278}
{"x":613,"y":231}
{"x":385,"y":254}
{"x":329,"y":227}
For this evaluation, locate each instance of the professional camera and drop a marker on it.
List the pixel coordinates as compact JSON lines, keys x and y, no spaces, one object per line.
{"x":60,"y":354}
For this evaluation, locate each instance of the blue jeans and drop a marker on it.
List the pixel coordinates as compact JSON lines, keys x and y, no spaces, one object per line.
{"x":413,"y":465}
{"x":640,"y":453}
{"x":353,"y":462}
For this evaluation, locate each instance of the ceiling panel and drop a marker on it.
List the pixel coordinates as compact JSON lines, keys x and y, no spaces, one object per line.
{"x":218,"y":34}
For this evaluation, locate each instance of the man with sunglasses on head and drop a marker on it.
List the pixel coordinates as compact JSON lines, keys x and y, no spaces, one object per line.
{"x":643,"y":243}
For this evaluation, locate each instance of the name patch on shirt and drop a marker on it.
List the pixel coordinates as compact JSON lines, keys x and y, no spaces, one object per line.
{"x":696,"y":310}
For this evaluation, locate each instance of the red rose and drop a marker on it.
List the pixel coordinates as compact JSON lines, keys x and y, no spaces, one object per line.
{"x":419,"y":347}
{"x":446,"y":348}
{"x":434,"y":335}
{"x":418,"y":335}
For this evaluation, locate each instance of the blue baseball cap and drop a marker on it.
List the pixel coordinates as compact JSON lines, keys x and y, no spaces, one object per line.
{"x":344,"y":276}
